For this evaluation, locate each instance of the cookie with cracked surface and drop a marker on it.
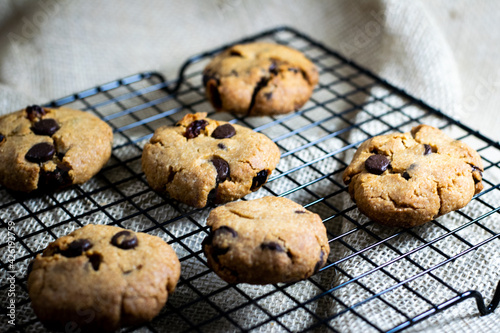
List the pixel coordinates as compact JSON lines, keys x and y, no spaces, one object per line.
{"x":100,"y":278}
{"x":407,"y":179}
{"x":259,"y":79}
{"x":49,"y":148}
{"x":203,"y":160}
{"x":267,"y":240}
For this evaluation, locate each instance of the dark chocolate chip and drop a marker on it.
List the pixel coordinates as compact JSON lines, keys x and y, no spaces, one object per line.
{"x":268,"y":95}
{"x":171,"y":176}
{"x":219,"y":251}
{"x":474,"y":169}
{"x":221,"y":146}
{"x":125,"y":240}
{"x":300,"y":212}
{"x":406,"y":175}
{"x":216,"y":250}
{"x":225,"y":230}
{"x":294,"y":70}
{"x":377,"y":164}
{"x":215,"y":96}
{"x":205,"y":79}
{"x":60,"y":156}
{"x":194,"y":129}
{"x":77,"y":247}
{"x":212,"y":195}
{"x":2,"y":138}
{"x":225,"y":131}
{"x":273,"y":246}
{"x":273,"y":69}
{"x":320,"y":263}
{"x":45,"y":127}
{"x":261,"y":84}
{"x":208,"y":240}
{"x":234,"y":53}
{"x":56,"y":179}
{"x":35,"y":111}
{"x":427,"y":149}
{"x":95,"y":260}
{"x":222,"y":168}
{"x":41,"y":152}
{"x":259,"y":180}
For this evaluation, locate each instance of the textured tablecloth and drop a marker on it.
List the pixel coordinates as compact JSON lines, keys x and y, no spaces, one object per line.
{"x":442,"y":52}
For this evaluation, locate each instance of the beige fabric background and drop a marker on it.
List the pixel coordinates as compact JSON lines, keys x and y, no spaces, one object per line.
{"x":444,"y":52}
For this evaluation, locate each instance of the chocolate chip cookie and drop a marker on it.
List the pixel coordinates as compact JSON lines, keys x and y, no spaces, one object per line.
{"x":100,"y":278}
{"x":203,"y":160}
{"x":259,"y":79}
{"x":267,"y":240}
{"x":48,"y":148}
{"x":407,"y":179}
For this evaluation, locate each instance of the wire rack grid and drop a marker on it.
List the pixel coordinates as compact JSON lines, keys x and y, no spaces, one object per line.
{"x":376,"y":279}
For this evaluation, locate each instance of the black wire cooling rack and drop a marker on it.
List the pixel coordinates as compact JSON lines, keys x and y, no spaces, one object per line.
{"x":376,"y":279}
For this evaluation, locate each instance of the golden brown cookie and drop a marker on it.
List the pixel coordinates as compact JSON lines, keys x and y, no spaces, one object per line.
{"x":100,"y":278}
{"x":48,"y":148}
{"x":202,"y":160}
{"x":259,"y":79}
{"x":267,"y":240}
{"x":407,"y":179}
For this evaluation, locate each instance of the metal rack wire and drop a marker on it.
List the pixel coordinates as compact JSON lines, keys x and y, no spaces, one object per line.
{"x":349,"y":105}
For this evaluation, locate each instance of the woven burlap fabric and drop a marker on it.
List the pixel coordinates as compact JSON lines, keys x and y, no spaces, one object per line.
{"x":50,"y":49}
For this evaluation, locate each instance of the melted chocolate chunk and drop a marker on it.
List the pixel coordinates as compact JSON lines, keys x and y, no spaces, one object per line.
{"x":222,"y":168}
{"x":377,"y":164}
{"x":208,"y":240}
{"x":406,"y":175}
{"x":2,"y":138}
{"x":35,"y":111}
{"x":300,"y":212}
{"x":319,"y":264}
{"x":273,"y":246}
{"x":273,"y":69}
{"x":58,"y":178}
{"x":225,"y":230}
{"x":259,"y":180}
{"x":221,"y":146}
{"x":125,"y":240}
{"x":76,"y":248}
{"x":45,"y":127}
{"x":215,"y":96}
{"x":225,"y":131}
{"x":234,"y":53}
{"x":219,"y":251}
{"x":41,"y":152}
{"x":427,"y":149}
{"x":476,"y":169}
{"x":216,"y":250}
{"x":261,"y":84}
{"x":212,"y":195}
{"x":268,"y":95}
{"x":206,"y":78}
{"x":194,"y":129}
{"x":95,"y":260}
